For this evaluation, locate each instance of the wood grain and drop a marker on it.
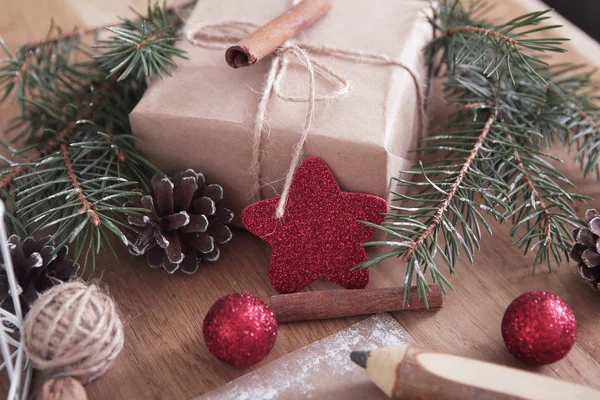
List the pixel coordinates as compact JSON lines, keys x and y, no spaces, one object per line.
{"x":164,"y":355}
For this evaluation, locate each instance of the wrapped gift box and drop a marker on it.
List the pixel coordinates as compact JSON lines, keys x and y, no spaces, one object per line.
{"x":201,"y":118}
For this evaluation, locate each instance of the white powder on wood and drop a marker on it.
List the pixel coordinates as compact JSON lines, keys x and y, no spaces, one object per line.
{"x":322,"y":369}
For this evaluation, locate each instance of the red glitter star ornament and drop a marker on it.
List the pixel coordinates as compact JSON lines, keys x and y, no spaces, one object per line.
{"x":319,"y":236}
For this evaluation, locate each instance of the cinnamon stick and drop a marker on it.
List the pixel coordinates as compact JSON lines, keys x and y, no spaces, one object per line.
{"x":275,"y":33}
{"x":326,"y":304}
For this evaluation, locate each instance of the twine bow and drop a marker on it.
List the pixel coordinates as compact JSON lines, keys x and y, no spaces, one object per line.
{"x":220,"y":36}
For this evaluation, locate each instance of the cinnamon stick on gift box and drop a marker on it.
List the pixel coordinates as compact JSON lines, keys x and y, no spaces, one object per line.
{"x":275,"y":33}
{"x":326,"y":304}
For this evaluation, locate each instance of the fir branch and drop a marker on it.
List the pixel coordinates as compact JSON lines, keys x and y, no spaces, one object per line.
{"x":491,"y":47}
{"x":511,"y":105}
{"x":586,"y":118}
{"x":11,"y":175}
{"x":535,"y":196}
{"x":482,"y":31}
{"x":585,"y":135}
{"x":473,"y":106}
{"x":77,"y":33}
{"x":541,"y":193}
{"x":79,"y":164}
{"x":118,"y":152}
{"x":442,"y":210}
{"x":86,"y":206}
{"x":143,"y":48}
{"x":50,"y":144}
{"x":542,"y":207}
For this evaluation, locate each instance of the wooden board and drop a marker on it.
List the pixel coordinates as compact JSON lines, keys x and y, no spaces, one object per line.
{"x":321,"y":370}
{"x":164,"y":355}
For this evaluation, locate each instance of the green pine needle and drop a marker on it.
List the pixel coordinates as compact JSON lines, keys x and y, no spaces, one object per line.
{"x":79,"y":165}
{"x":141,"y":48}
{"x":492,"y":161}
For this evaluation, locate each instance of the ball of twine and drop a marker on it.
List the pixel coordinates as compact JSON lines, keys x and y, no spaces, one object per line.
{"x":73,"y":330}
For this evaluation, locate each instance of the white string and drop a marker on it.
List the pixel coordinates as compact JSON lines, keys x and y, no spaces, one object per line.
{"x":15,"y":370}
{"x":220,"y":36}
{"x":299,"y":147}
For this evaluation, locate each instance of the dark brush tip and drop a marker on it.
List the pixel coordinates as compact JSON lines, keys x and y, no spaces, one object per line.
{"x":360,"y":357}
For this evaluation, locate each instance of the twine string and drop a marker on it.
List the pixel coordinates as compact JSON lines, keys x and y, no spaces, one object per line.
{"x":73,"y":330}
{"x":221,"y":36}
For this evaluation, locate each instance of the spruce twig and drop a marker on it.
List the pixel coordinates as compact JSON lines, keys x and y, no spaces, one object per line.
{"x":481,"y":31}
{"x":80,"y":33}
{"x":511,"y":106}
{"x":535,"y":195}
{"x":86,"y":206}
{"x":79,"y":163}
{"x":443,"y":208}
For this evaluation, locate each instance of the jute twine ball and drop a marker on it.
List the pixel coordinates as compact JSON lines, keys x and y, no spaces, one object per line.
{"x":73,"y":330}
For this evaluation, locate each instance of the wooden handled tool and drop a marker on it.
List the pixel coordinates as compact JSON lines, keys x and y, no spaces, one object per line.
{"x":325,"y":304}
{"x":409,"y":373}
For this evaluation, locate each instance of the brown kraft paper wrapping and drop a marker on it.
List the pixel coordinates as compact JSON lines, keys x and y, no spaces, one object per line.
{"x":202,"y":117}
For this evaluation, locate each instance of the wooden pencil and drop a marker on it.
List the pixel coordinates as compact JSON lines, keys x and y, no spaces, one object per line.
{"x":413,"y":374}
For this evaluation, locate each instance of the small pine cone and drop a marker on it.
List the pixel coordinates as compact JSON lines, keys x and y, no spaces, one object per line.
{"x":184,"y":223}
{"x":38,"y":267}
{"x":586,"y":251}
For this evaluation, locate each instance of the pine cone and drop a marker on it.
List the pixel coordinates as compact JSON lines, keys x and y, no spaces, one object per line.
{"x":37,"y":268}
{"x":185,"y":222}
{"x":586,"y":252}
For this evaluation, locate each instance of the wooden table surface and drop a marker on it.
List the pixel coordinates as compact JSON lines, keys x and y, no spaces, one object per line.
{"x":165,"y":356}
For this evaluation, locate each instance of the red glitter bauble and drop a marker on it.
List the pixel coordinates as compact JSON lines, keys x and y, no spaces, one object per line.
{"x":539,"y":328}
{"x":240,"y":329}
{"x":319,"y":235}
